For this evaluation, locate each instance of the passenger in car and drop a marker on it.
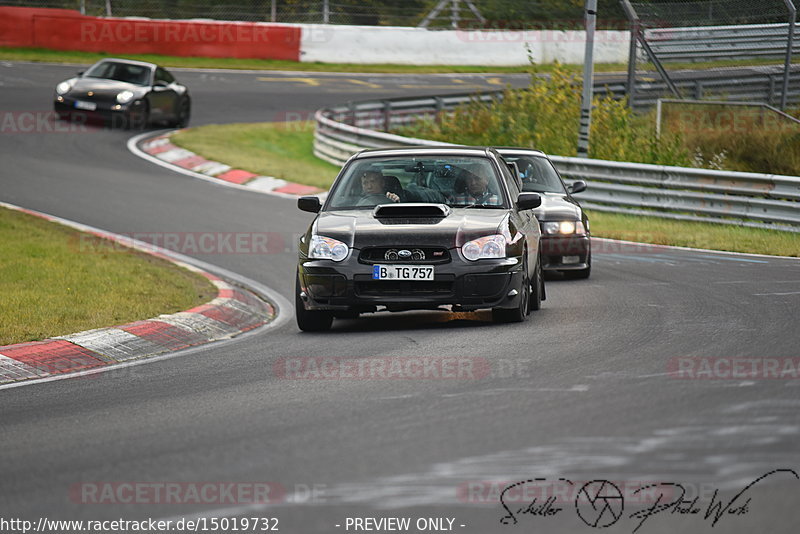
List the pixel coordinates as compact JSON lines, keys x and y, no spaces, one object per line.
{"x":374,"y":189}
{"x":477,"y":192}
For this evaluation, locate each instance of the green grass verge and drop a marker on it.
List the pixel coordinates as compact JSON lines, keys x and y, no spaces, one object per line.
{"x":61,"y":56}
{"x":726,"y":237}
{"x":52,"y":284}
{"x":282,"y":150}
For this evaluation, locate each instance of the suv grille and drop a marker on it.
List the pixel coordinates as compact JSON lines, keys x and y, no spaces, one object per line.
{"x":404,"y":288}
{"x":429,"y":255}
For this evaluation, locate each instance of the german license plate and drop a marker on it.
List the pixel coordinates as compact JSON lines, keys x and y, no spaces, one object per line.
{"x":88,"y":106}
{"x":402,"y":272}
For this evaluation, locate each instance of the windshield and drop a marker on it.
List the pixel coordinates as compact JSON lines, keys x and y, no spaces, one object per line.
{"x":457,"y":181}
{"x":537,"y":174}
{"x":123,"y":72}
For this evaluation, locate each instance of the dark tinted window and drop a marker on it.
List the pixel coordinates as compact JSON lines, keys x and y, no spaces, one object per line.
{"x":122,"y":72}
{"x":164,"y":76}
{"x":537,"y":174}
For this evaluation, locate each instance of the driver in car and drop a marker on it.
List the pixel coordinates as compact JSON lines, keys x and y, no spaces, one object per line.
{"x":477,"y":192}
{"x":374,"y":190}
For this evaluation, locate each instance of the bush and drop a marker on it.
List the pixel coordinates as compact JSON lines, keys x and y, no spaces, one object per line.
{"x":545,"y":116}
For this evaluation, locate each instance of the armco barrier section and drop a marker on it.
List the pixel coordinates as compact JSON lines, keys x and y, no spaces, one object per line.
{"x":762,"y":41}
{"x":747,"y":199}
{"x":61,"y":29}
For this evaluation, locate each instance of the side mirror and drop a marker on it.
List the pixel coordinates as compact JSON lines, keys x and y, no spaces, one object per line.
{"x":309,"y":204}
{"x":528,"y":201}
{"x":161,"y":84}
{"x":577,"y":187}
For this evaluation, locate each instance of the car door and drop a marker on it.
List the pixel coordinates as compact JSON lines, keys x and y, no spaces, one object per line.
{"x":163,"y":97}
{"x":524,"y":220}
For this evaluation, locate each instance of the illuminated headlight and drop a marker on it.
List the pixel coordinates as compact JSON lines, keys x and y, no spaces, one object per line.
{"x":563,"y":228}
{"x":491,"y":246}
{"x":325,"y":248}
{"x":124,"y":97}
{"x":63,"y":88}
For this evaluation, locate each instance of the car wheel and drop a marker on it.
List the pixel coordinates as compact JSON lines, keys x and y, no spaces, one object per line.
{"x":582,"y":273}
{"x":520,"y":313}
{"x":310,"y":320}
{"x":537,"y":288}
{"x":184,"y":114}
{"x":139,"y":116}
{"x":346,"y":314}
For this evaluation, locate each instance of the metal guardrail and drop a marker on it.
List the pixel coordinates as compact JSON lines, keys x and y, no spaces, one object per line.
{"x":746,"y":199}
{"x":753,"y":41}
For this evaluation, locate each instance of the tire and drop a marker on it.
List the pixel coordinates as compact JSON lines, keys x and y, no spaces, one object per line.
{"x":310,"y":320}
{"x":346,"y":314}
{"x":520,"y":313}
{"x":537,"y":288}
{"x":184,"y":114}
{"x":582,"y":273}
{"x":138,"y":120}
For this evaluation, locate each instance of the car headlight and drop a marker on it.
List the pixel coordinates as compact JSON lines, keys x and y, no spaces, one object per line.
{"x":491,"y":246}
{"x":63,"y":88}
{"x":563,"y":228}
{"x":326,"y":248}
{"x":124,"y":97}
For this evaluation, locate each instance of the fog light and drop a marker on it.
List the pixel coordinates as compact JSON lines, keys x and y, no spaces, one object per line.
{"x":571,"y":259}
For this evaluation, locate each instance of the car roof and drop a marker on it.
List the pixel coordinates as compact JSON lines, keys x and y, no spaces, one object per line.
{"x":426,"y":150}
{"x":129,"y":62}
{"x":509,"y":150}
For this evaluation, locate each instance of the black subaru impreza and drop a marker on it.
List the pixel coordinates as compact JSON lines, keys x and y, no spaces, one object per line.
{"x":420,"y":228}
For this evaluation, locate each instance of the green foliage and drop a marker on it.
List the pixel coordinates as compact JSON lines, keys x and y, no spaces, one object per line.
{"x":545,"y":116}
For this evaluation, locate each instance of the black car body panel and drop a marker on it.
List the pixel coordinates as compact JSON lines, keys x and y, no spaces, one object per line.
{"x":560,"y":252}
{"x":434,"y":233}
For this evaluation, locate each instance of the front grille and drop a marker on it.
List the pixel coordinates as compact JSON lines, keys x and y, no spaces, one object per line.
{"x":420,"y":255}
{"x":404,"y":288}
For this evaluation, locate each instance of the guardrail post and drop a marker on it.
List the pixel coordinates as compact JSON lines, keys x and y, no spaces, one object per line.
{"x":352,"y":113}
{"x":439,"y":111}
{"x":387,"y":115}
{"x":771,"y":90}
{"x":789,"y":45}
{"x":698,"y":90}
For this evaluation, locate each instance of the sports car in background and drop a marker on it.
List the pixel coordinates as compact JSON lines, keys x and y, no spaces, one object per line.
{"x":420,"y":228}
{"x":566,"y":245}
{"x":130,"y":94}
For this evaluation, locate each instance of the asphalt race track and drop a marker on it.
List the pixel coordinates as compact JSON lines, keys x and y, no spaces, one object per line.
{"x":582,"y":391}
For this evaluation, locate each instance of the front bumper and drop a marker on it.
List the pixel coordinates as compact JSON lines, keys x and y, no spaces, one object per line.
{"x":561,"y":253}
{"x":118,"y":114}
{"x":348,"y":285}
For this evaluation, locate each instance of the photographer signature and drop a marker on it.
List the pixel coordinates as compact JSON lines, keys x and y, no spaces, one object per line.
{"x":600,"y":503}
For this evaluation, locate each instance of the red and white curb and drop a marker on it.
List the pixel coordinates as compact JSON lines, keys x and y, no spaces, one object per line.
{"x":160,"y":150}
{"x":235,"y":310}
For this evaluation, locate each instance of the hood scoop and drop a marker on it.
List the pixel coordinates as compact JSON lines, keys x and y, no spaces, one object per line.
{"x":411,"y":210}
